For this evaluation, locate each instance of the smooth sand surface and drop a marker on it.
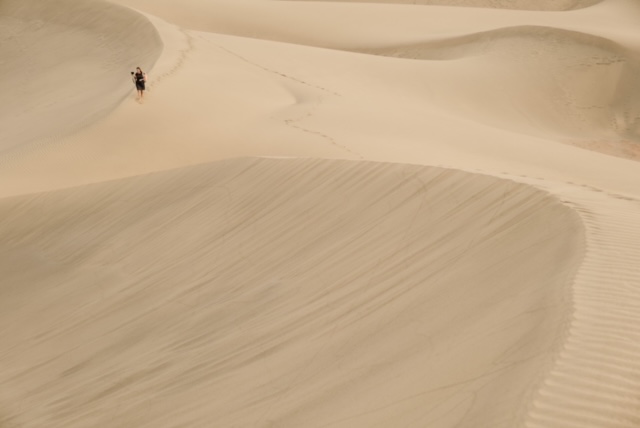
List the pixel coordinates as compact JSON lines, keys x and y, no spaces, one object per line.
{"x":322,"y":214}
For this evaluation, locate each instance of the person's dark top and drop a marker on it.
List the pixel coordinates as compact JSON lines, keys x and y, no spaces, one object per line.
{"x":139,"y":81}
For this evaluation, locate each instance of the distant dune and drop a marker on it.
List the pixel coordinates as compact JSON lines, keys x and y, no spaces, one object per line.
{"x":565,"y":80}
{"x":539,"y":5}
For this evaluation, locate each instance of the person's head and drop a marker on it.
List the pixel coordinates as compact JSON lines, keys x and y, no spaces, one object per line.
{"x":138,"y":70}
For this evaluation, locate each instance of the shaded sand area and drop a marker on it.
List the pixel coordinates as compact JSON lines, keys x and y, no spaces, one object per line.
{"x":323,"y":214}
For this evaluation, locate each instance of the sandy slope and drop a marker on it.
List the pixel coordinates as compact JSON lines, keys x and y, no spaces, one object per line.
{"x":202,"y":291}
{"x":150,"y":277}
{"x":59,"y":59}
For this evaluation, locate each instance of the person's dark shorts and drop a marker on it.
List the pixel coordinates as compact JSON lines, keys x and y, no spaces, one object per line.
{"x":140,"y":86}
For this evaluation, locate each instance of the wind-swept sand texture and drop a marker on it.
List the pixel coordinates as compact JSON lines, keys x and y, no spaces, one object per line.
{"x":202,"y":291}
{"x":323,"y":214}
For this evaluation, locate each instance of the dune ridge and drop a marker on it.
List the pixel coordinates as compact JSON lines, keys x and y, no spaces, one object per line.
{"x":540,"y":5}
{"x":593,"y":381}
{"x":321,"y":274}
{"x":584,"y":83}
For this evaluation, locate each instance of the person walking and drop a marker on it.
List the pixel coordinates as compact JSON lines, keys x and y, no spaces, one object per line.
{"x":140,"y":78}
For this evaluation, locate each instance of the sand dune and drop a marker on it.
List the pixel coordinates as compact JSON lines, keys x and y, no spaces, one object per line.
{"x":593,"y":380}
{"x":314,"y":304}
{"x":67,"y":54}
{"x":324,"y":214}
{"x":540,"y":5}
{"x":584,"y":74}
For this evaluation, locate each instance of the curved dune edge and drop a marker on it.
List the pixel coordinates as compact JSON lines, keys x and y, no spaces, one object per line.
{"x":532,"y":5}
{"x":564,"y":65}
{"x":534,"y":41}
{"x":594,"y":379}
{"x":76,"y":56}
{"x":262,"y":292}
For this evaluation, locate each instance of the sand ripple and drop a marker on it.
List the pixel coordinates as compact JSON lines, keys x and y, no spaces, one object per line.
{"x":283,"y":293}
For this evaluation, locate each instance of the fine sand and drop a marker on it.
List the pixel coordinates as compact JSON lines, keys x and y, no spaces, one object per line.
{"x":381,"y":213}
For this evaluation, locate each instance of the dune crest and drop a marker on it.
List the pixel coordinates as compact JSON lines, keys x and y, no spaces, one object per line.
{"x":532,"y":5}
{"x":593,"y":380}
{"x":592,"y":81}
{"x":343,"y":293}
